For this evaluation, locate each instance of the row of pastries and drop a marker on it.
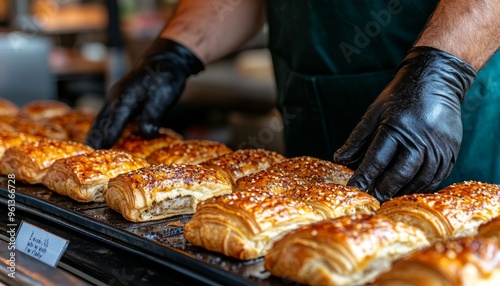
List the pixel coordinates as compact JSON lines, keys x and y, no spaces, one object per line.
{"x":296,"y":213}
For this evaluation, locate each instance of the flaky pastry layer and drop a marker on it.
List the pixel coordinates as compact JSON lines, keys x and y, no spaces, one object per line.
{"x":440,"y":216}
{"x":490,"y":229}
{"x":334,"y":200}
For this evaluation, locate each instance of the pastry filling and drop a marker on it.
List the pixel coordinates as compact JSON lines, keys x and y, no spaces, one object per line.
{"x":167,"y":207}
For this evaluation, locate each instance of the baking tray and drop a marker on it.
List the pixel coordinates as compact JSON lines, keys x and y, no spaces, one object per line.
{"x":161,"y":241}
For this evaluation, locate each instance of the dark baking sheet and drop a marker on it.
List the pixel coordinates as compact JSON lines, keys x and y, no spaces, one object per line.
{"x":162,"y":240}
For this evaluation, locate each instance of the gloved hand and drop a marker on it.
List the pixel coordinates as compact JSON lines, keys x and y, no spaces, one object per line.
{"x":148,"y":91}
{"x":411,"y":133}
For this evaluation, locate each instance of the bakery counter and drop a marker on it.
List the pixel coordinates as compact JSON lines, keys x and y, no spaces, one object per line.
{"x":105,"y":246}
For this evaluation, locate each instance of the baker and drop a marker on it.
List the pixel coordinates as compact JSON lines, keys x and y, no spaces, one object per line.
{"x":383,"y":83}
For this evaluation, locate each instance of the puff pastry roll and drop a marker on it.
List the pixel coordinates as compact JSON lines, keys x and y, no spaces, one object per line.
{"x":440,"y":216}
{"x":77,"y":124}
{"x":244,"y":162}
{"x":84,"y":177}
{"x":244,"y":225}
{"x":30,"y":161}
{"x":316,"y":169}
{"x":486,"y":195}
{"x":11,"y":139}
{"x":188,"y":152}
{"x":45,"y":109}
{"x":350,"y":250}
{"x":140,"y":147}
{"x":490,"y":229}
{"x":161,"y":191}
{"x":467,"y":261}
{"x":8,"y":108}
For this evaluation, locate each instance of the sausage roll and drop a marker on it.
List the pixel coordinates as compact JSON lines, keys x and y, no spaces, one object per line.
{"x":350,"y":250}
{"x":486,"y":195}
{"x":8,"y":108}
{"x":11,"y":139}
{"x":316,"y":169}
{"x":30,"y":161}
{"x":244,"y":162}
{"x":161,"y":191}
{"x":458,"y":262}
{"x":140,"y":147}
{"x":244,"y":225}
{"x":439,"y":216}
{"x":490,"y":229}
{"x":188,"y":152}
{"x":83,"y":177}
{"x":45,"y":109}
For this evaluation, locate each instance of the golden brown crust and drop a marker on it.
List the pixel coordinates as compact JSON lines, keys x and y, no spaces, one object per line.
{"x":461,"y":261}
{"x":11,"y":139}
{"x":4,"y":127}
{"x":83,"y":177}
{"x":8,"y":108}
{"x":334,"y":200}
{"x":244,"y":224}
{"x":276,"y":181}
{"x":160,"y":191}
{"x":76,"y":123}
{"x":350,"y":250}
{"x":330,"y":200}
{"x":490,"y":229}
{"x":244,"y":162}
{"x":41,"y":127}
{"x":485,"y":194}
{"x":30,"y":161}
{"x":316,"y":169}
{"x":45,"y":109}
{"x":440,"y":216}
{"x":188,"y":152}
{"x":140,"y":147}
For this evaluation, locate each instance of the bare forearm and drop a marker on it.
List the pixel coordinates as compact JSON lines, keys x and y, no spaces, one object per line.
{"x":468,"y":29}
{"x":215,"y":28}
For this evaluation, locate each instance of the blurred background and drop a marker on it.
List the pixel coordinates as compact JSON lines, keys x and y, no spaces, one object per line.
{"x":74,"y":50}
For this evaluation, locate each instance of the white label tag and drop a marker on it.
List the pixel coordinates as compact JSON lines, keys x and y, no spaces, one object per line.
{"x":40,"y":244}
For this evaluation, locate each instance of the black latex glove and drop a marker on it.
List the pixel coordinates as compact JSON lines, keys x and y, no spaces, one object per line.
{"x":412,"y":132}
{"x":147,"y":91}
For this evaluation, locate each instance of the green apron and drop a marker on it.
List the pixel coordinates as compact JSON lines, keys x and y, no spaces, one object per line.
{"x":332,"y":58}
